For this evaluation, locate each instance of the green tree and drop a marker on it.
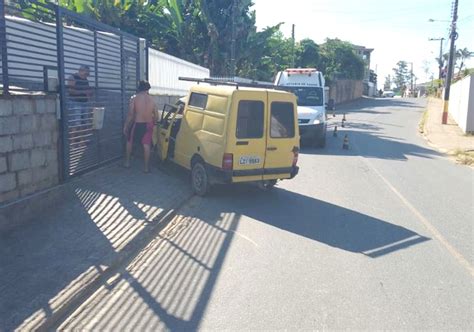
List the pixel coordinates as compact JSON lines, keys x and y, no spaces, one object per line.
{"x":402,"y":75}
{"x":307,"y":54}
{"x":373,"y":77}
{"x":227,"y":21}
{"x":463,"y":55}
{"x":339,"y":60}
{"x":268,"y":52}
{"x":388,"y":83}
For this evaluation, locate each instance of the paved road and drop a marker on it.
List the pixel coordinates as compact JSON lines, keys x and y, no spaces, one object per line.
{"x":377,"y":237}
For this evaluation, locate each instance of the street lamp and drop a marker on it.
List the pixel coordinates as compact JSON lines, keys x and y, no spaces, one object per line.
{"x":411,"y":78}
{"x":440,"y":59}
{"x":431,"y":20}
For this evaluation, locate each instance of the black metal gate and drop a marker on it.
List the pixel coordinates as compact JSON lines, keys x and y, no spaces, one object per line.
{"x":44,"y":46}
{"x":98,"y":69}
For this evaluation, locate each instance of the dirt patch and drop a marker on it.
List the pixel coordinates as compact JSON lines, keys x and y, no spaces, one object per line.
{"x":464,"y":157}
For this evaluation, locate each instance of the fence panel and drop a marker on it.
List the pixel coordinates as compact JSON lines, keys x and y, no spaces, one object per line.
{"x":29,"y":50}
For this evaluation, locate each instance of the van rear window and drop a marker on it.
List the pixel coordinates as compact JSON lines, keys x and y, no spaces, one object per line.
{"x":198,"y":100}
{"x":282,"y":121}
{"x":250,"y":119}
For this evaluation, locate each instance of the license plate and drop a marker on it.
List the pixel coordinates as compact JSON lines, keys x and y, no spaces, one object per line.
{"x":249,"y":160}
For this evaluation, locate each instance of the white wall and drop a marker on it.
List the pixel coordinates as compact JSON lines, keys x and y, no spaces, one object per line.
{"x":461,"y":103}
{"x":164,"y":70}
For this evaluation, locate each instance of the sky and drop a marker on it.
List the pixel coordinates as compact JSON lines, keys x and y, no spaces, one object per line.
{"x":396,"y":30}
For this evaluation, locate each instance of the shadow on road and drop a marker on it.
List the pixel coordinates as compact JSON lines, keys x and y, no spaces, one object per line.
{"x":373,"y":105}
{"x":170,"y":286}
{"x":323,"y":222}
{"x":367,"y":136}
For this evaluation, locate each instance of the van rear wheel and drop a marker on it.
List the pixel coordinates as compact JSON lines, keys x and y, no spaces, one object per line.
{"x":199,"y":179}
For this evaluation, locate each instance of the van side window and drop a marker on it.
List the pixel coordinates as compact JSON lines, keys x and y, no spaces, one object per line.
{"x":250,"y":119}
{"x":282,"y":124}
{"x":198,"y":100}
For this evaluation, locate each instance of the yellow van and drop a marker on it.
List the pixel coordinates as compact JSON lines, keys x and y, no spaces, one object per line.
{"x":229,"y":134}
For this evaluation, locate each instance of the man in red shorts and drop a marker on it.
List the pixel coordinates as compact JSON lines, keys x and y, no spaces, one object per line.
{"x":140,"y":121}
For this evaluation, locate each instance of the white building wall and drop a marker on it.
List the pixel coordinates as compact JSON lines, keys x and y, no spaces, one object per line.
{"x":461,"y":103}
{"x":164,"y":70}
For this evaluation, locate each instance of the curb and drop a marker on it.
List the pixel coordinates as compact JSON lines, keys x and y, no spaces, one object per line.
{"x":73,"y":298}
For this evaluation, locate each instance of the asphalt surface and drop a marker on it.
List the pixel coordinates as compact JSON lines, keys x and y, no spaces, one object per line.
{"x":379,"y":236}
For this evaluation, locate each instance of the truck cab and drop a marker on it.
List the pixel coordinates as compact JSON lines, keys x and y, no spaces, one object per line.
{"x":308,"y":86}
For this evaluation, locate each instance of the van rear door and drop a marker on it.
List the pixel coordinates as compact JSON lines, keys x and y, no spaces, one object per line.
{"x":247,"y":142}
{"x":282,"y":136}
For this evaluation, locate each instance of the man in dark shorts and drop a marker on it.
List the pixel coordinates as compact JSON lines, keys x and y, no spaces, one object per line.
{"x":140,"y":122}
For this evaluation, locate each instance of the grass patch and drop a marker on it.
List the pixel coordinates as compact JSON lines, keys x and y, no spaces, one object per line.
{"x":464,"y":157}
{"x":421,"y":125}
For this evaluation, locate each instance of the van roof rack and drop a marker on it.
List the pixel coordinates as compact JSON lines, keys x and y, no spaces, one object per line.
{"x":229,"y":83}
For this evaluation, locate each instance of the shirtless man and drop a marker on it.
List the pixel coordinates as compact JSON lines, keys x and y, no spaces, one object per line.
{"x":140,"y":121}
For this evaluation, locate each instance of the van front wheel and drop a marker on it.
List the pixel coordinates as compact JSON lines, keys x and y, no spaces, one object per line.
{"x":199,"y":179}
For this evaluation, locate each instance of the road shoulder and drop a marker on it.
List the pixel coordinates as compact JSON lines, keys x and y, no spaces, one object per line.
{"x":448,"y":139}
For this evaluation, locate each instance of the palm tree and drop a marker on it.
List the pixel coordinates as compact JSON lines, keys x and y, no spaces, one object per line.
{"x":463,"y":54}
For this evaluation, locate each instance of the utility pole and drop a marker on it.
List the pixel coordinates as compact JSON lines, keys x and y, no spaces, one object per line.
{"x":293,"y":46}
{"x":453,"y":36}
{"x":411,"y":80}
{"x":232,"y":45}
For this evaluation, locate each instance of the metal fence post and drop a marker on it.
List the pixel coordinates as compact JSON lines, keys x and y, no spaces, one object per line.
{"x":122,"y":85}
{"x":63,"y":122}
{"x":138,"y":73}
{"x":96,"y":92}
{"x":96,"y":67}
{"x":147,"y":59}
{"x":4,"y":51}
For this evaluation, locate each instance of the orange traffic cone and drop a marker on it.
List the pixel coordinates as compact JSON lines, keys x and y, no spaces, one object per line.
{"x":334,"y":134}
{"x":345,"y":144}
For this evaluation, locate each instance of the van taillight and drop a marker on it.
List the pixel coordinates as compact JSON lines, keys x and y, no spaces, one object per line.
{"x":228,"y":161}
{"x":295,"y":156}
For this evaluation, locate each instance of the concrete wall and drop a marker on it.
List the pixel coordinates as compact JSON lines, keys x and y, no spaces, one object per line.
{"x":343,"y":91}
{"x":461,"y":103}
{"x":28,"y":145}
